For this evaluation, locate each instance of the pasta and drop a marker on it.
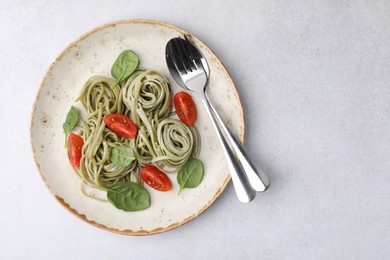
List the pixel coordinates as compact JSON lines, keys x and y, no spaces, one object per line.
{"x":146,"y":98}
{"x":148,"y":90}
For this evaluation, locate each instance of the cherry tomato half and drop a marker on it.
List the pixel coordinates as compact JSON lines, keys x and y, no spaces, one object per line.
{"x":185,"y":108}
{"x":121,"y":125}
{"x":75,"y":145}
{"x":155,"y":178}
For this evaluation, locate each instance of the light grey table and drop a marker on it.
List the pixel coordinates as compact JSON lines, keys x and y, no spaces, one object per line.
{"x":314,"y":77}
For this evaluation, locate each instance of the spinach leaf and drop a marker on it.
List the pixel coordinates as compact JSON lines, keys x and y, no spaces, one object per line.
{"x":122,"y":156}
{"x":124,"y":65}
{"x":191,"y":174}
{"x":70,"y":122}
{"x":128,"y":196}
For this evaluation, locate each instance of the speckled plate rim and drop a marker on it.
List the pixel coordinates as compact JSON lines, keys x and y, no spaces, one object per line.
{"x":82,"y":216}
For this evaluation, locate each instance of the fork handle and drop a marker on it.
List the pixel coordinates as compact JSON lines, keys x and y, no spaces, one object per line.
{"x":244,"y":190}
{"x":257,"y":178}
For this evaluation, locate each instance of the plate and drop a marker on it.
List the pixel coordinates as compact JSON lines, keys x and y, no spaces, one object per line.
{"x":93,"y":54}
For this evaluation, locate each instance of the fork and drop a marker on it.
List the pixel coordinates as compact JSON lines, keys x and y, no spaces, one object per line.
{"x":187,"y":66}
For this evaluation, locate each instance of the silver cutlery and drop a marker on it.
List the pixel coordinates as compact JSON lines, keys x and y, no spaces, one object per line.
{"x":190,"y":70}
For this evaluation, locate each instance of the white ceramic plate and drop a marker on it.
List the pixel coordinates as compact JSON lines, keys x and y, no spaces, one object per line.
{"x":94,"y":53}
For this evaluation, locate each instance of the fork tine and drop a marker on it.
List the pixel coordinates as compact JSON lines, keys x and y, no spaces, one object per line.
{"x":187,"y":53}
{"x":181,"y":45}
{"x":194,"y":52}
{"x":179,"y":56}
{"x":191,"y":48}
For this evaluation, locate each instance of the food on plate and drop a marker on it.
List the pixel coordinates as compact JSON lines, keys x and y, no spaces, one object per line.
{"x":155,"y":178}
{"x":75,"y":145}
{"x":121,"y":125}
{"x":130,"y":136}
{"x":191,"y":174}
{"x":185,"y":108}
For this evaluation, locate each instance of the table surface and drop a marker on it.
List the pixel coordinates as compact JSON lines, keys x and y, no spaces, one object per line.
{"x":315,"y":83}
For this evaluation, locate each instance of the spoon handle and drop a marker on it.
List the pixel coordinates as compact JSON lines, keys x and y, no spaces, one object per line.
{"x":244,"y":190}
{"x":257,"y":178}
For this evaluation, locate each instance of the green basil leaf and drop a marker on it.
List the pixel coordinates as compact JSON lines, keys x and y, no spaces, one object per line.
{"x":190,"y":175}
{"x":70,"y":122}
{"x":128,"y":196}
{"x":122,"y":156}
{"x":124,"y":65}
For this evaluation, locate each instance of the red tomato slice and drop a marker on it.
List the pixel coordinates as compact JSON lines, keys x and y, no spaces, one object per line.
{"x":155,"y":178}
{"x":185,"y":108}
{"x":121,"y":125}
{"x":75,"y":145}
